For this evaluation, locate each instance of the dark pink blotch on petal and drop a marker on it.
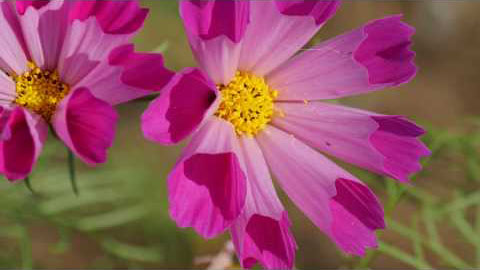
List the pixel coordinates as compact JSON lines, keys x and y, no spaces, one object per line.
{"x":180,"y":109}
{"x":385,"y":51}
{"x":356,"y":214}
{"x":20,"y":151}
{"x":115,"y":17}
{"x":86,"y":125}
{"x":210,"y":19}
{"x":207,"y":192}
{"x":23,"y":5}
{"x":321,"y":11}
{"x":268,"y":241}
{"x":141,"y":70}
{"x":397,"y":140}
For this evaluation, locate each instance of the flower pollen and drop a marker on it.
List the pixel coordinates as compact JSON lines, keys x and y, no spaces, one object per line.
{"x":247,"y":103}
{"x":40,"y":91}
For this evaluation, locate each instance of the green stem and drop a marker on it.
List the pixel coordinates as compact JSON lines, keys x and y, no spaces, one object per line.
{"x":71,"y":170}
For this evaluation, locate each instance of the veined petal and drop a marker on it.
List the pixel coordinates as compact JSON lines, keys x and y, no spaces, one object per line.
{"x":261,"y":233}
{"x":278,"y":29}
{"x":86,"y":125}
{"x":20,"y":150}
{"x":181,"y":108}
{"x":318,"y":188}
{"x":12,"y":54}
{"x":387,"y":145}
{"x":7,"y":90}
{"x":372,"y":57}
{"x":207,"y":187}
{"x":44,"y":27}
{"x":215,"y":30}
{"x":115,"y":17}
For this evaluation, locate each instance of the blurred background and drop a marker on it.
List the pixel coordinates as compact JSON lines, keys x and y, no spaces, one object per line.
{"x":120,"y":219}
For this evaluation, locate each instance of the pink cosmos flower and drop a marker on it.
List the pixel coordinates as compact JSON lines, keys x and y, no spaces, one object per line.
{"x":65,"y":64}
{"x":254,"y":106}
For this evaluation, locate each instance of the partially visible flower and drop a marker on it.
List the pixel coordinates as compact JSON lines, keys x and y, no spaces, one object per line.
{"x":66,"y":64}
{"x":254,"y":105}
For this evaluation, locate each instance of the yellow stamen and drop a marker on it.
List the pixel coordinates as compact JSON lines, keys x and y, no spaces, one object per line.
{"x":247,"y":103}
{"x":40,"y":90}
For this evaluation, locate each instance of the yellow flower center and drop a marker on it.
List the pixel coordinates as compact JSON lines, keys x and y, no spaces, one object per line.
{"x":40,"y":91}
{"x":247,"y":103}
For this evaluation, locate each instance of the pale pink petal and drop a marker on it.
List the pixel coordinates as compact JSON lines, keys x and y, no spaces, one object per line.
{"x":7,"y":90}
{"x":215,"y":30}
{"x":372,"y":57}
{"x":261,"y":233}
{"x":115,"y":17}
{"x":12,"y":54}
{"x":20,"y":151}
{"x":181,"y":108}
{"x":86,"y":48}
{"x":44,"y":30}
{"x":384,"y":144}
{"x":207,"y":187}
{"x":86,"y":125}
{"x":278,"y":29}
{"x":312,"y":182}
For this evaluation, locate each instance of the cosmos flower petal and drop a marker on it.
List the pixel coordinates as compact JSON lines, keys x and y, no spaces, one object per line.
{"x":12,"y":54}
{"x":23,"y":5}
{"x":7,"y":89}
{"x":388,"y":145}
{"x":181,"y":108}
{"x":207,"y":187}
{"x":372,"y":57}
{"x":312,"y":182}
{"x":115,"y":17}
{"x":278,"y":29}
{"x":140,"y":70}
{"x":44,"y":30}
{"x":261,"y":233}
{"x":356,"y":214}
{"x":20,"y":150}
{"x":265,"y":240}
{"x":215,"y":30}
{"x":86,"y":125}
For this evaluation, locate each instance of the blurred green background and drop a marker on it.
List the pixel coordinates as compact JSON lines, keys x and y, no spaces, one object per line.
{"x":120,"y":219}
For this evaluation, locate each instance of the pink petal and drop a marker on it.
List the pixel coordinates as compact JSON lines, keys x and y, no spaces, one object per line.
{"x":7,"y":90}
{"x":268,"y":241}
{"x":86,"y":125}
{"x":44,"y":30}
{"x":20,"y":151}
{"x":384,"y":144}
{"x":12,"y":55}
{"x":215,"y":29}
{"x":115,"y":17}
{"x":396,"y":139}
{"x":141,"y":70}
{"x":278,"y":29}
{"x":310,"y":180}
{"x":211,"y":19}
{"x":261,"y":233}
{"x":321,"y":11}
{"x":24,"y":4}
{"x":86,"y":47}
{"x":181,"y":108}
{"x":207,"y":186}
{"x":356,"y":215}
{"x":98,"y":61}
{"x":372,"y":57}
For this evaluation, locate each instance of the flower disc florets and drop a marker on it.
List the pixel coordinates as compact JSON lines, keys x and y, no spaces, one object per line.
{"x":40,"y":91}
{"x":247,"y":102}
